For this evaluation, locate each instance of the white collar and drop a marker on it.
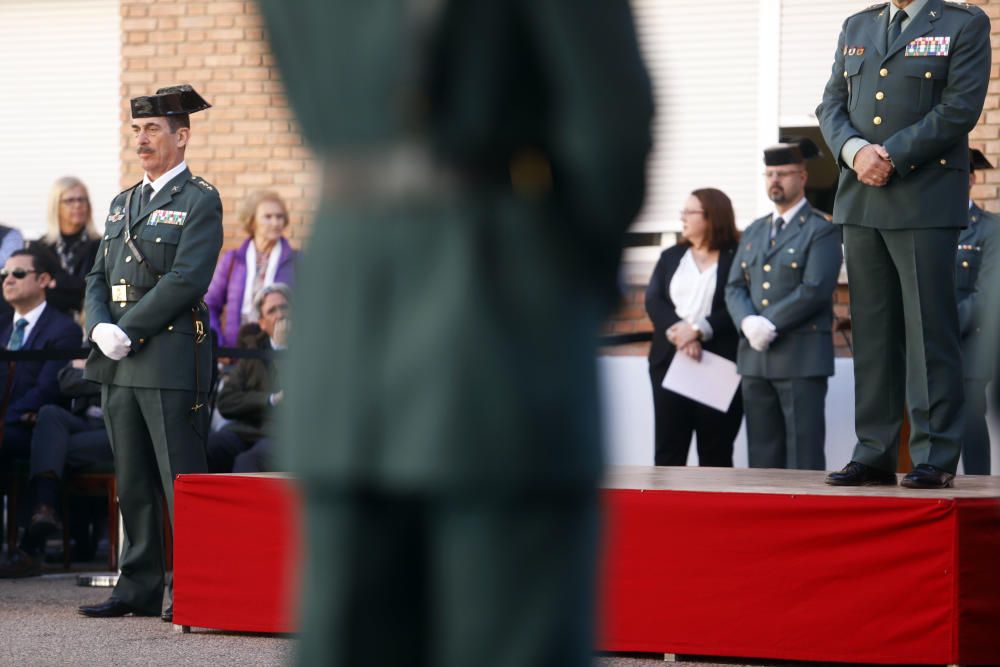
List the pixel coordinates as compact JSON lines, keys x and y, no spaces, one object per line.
{"x":32,"y":315}
{"x":164,"y":179}
{"x":790,"y":214}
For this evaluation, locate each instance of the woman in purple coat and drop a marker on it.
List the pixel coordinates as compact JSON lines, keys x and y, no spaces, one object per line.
{"x":263,"y":259}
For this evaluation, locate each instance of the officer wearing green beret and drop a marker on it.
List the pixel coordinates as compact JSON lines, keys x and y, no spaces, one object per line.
{"x":977,"y":265}
{"x":908,"y":84}
{"x":148,"y":325}
{"x":780,"y":296}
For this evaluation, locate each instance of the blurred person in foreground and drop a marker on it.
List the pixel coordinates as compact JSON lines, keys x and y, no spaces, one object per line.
{"x":72,"y":241}
{"x":780,"y":295}
{"x":977,"y":270}
{"x":483,"y":161}
{"x":251,"y":392}
{"x":265,"y":258}
{"x":686,"y":302}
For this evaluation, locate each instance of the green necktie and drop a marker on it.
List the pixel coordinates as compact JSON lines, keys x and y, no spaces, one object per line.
{"x":896,"y":27}
{"x":17,"y":337}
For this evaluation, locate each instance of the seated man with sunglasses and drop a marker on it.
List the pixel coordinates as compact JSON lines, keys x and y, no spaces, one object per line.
{"x":28,"y":385}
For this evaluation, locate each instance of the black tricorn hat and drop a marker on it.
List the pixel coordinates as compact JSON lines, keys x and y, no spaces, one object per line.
{"x":791,"y":151}
{"x":169,"y":101}
{"x":977,"y":160}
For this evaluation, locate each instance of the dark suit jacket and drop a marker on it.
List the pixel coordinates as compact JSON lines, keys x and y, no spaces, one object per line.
{"x":67,"y":295}
{"x":920,"y":107}
{"x":162,"y":324}
{"x":661,"y":311}
{"x":977,"y":265}
{"x":36,"y":383}
{"x":792,"y":285}
{"x":245,"y":395}
{"x":485,"y":305}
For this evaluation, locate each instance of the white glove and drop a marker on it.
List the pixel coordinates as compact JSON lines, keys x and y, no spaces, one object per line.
{"x":760,"y":332}
{"x":112,"y":340}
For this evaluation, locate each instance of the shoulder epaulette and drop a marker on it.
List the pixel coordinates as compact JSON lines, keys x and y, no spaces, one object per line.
{"x":954,"y":4}
{"x":205,"y":185}
{"x":871,"y":8}
{"x":131,"y":187}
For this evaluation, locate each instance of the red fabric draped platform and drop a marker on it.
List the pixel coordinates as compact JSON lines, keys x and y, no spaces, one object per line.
{"x":236,"y":551}
{"x":773,"y":564}
{"x":753,"y":564}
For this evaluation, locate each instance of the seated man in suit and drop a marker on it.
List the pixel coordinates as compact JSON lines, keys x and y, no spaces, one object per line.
{"x":251,"y":391}
{"x":63,"y":439}
{"x":33,"y":326}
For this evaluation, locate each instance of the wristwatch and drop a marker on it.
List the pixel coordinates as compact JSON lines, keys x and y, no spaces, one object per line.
{"x":697,"y":330}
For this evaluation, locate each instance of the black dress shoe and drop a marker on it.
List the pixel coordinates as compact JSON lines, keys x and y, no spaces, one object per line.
{"x":926,"y":476}
{"x":859,"y":474}
{"x":43,"y":524}
{"x":168,"y":614}
{"x":112,"y":608}
{"x":19,"y":565}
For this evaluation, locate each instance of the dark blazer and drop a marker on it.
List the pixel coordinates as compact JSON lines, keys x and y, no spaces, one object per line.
{"x":36,"y":383}
{"x":245,"y":395}
{"x":977,"y":269}
{"x":921,"y":108}
{"x":68,"y":293}
{"x":661,"y":311}
{"x":180,"y":256}
{"x":792,"y":285}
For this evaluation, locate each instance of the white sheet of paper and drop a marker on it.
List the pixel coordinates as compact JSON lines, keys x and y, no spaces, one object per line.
{"x":712,"y":381}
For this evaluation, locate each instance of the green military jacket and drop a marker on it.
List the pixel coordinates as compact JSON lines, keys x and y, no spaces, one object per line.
{"x":445,"y":341}
{"x":977,"y":268}
{"x":179,"y":234}
{"x":919,"y":97}
{"x":791,"y":285}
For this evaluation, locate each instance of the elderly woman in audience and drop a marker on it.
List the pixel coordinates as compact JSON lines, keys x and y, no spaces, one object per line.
{"x":251,"y":390}
{"x":71,"y":242}
{"x":686,"y":302}
{"x":263,"y":259}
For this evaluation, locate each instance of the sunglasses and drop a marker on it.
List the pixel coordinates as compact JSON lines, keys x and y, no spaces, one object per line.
{"x":17,"y":273}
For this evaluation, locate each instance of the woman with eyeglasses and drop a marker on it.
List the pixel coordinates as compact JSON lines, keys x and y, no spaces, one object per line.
{"x":71,"y":242}
{"x":686,"y":302}
{"x":265,"y":258}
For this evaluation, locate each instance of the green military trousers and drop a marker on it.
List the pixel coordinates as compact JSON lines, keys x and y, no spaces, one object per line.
{"x":154,"y":437}
{"x":907,"y":352}
{"x":449,"y":580}
{"x":786,"y":422}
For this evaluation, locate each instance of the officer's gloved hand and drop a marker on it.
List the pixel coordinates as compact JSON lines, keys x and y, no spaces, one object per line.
{"x":760,"y":332}
{"x":112,"y":340}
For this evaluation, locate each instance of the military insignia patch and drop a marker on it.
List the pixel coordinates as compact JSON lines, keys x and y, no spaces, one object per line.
{"x":116,"y":216}
{"x":929,"y":46}
{"x":161,"y":216}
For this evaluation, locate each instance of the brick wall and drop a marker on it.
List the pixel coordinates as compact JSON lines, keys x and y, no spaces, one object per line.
{"x":631,"y":316}
{"x":248,"y":140}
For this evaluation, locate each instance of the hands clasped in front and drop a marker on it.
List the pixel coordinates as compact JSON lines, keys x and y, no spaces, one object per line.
{"x":873,"y":165}
{"x":112,"y":341}
{"x":760,"y":332}
{"x":685,"y":338}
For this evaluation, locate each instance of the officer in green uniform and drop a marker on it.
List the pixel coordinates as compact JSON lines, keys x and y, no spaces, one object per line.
{"x":977,"y":264}
{"x":143,"y":306}
{"x":908,"y":84}
{"x":483,"y":161}
{"x":780,"y":296}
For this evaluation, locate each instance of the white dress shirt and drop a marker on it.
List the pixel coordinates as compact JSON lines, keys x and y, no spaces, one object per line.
{"x":692,"y":290}
{"x":32,"y":317}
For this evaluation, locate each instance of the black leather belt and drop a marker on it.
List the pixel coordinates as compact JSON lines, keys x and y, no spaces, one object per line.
{"x":128,"y":293}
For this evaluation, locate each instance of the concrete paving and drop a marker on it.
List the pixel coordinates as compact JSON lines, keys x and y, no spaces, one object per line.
{"x":39,"y":627}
